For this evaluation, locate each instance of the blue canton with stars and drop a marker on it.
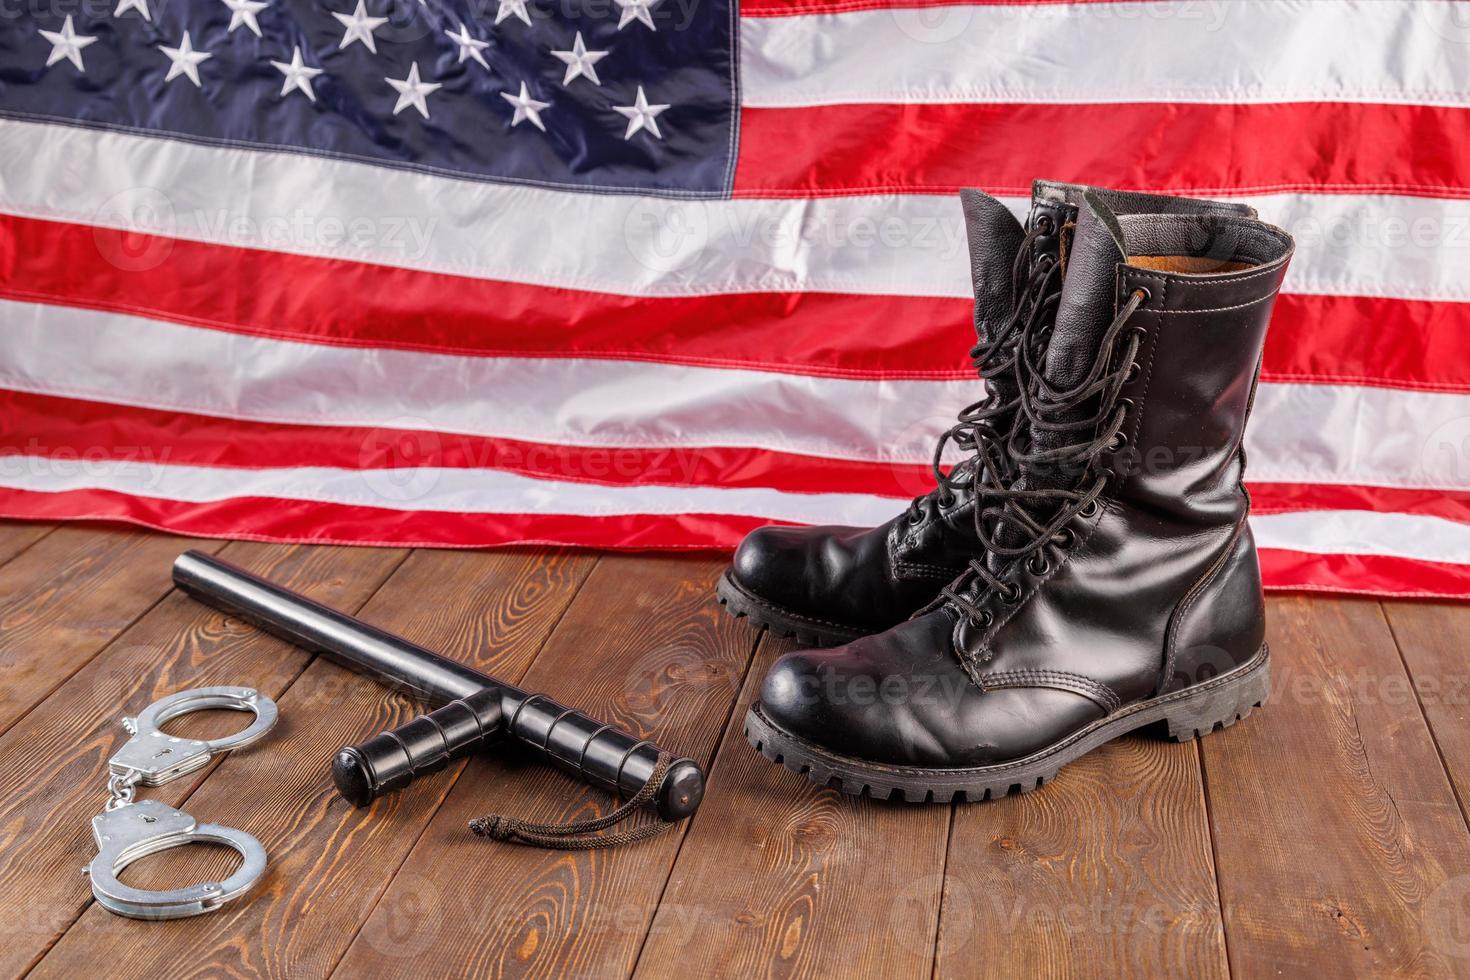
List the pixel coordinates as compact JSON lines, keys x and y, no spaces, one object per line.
{"x":606,"y":95}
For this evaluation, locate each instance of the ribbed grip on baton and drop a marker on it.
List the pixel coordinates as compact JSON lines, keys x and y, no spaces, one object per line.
{"x":594,"y":752}
{"x":391,"y":760}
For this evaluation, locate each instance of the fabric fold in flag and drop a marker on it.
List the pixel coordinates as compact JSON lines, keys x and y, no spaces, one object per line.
{"x":651,"y":273}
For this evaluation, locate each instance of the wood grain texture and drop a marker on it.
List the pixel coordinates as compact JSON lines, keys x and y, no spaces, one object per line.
{"x":1340,"y":848}
{"x":1434,"y":640}
{"x":53,"y":762}
{"x":17,"y":536}
{"x":782,"y":878}
{"x":643,"y":646}
{"x":66,"y":597}
{"x":331,"y":861}
{"x":1340,"y":844}
{"x":1110,"y":864}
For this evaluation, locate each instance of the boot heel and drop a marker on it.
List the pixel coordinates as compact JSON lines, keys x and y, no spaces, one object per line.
{"x":1221,"y":702}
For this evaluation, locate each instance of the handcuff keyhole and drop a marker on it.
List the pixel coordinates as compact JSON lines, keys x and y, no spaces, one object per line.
{"x":148,"y":819}
{"x":164,"y":752}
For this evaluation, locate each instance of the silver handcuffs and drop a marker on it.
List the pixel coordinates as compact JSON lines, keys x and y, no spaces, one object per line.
{"x":130,"y":829}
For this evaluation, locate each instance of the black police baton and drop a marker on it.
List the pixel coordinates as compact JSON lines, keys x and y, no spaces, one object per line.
{"x":477,"y":711}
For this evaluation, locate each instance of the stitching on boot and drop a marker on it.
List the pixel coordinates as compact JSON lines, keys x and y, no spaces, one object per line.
{"x":1220,"y":309}
{"x":984,"y":649}
{"x":1230,"y":279}
{"x":1096,"y":691}
{"x":1171,"y":635}
{"x":783,"y":611}
{"x":902,"y":540}
{"x":936,"y":572}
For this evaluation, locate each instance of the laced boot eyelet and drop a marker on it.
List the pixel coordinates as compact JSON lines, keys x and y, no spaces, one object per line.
{"x":1038,"y":565}
{"x":1010,"y":593}
{"x":1067,"y":538}
{"x":1091,"y":510}
{"x":983,"y":619}
{"x":1133,"y":372}
{"x":1143,"y":293}
{"x":947,"y":500}
{"x":1117,"y":442}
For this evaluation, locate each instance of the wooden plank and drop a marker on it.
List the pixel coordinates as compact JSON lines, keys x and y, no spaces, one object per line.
{"x":329,"y":861}
{"x":1110,"y":865}
{"x":779,"y":877}
{"x":17,"y":536}
{"x":643,"y":646}
{"x":53,"y":762}
{"x":1434,"y":640}
{"x":66,"y":597}
{"x":1340,"y":848}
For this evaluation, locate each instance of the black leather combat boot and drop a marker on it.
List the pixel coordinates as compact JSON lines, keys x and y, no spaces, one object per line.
{"x":1120,"y":585}
{"x":829,"y":585}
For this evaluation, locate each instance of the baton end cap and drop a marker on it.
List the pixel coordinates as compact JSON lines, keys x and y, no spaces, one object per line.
{"x":354,"y":780}
{"x":681,"y":791}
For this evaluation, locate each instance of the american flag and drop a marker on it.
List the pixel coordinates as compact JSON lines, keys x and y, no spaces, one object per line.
{"x":650,"y":273}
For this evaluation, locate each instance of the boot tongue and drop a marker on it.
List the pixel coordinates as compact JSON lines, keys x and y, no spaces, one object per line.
{"x":994,"y":237}
{"x":1085,"y":313}
{"x":1087,"y":306}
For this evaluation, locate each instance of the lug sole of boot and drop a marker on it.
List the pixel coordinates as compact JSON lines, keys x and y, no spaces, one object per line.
{"x":781,"y":622}
{"x":1191,"y":713}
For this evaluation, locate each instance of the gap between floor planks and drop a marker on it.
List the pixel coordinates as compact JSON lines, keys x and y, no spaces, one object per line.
{"x":57,"y":751}
{"x":1447,"y":756}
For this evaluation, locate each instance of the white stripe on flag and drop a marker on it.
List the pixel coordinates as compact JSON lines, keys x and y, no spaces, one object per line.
{"x":914,"y":245}
{"x":1332,"y":434}
{"x":453,"y":490}
{"x":129,"y":360}
{"x":1383,"y":51}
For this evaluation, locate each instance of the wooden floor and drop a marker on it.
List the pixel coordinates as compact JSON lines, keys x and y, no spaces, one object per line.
{"x":1325,"y":835}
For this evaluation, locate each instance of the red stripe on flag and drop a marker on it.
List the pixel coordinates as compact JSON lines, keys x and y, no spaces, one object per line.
{"x":309,"y":522}
{"x":1306,"y":146}
{"x":1348,"y":340}
{"x":1368,"y":340}
{"x":1364,"y":575}
{"x":1281,"y":498}
{"x":335,"y":301}
{"x":75,"y":432}
{"x":272,"y":519}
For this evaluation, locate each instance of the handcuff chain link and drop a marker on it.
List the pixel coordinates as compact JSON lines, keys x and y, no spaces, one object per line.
{"x":122,"y":787}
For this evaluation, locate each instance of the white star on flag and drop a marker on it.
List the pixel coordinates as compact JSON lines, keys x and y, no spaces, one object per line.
{"x":513,"y":7}
{"x":640,"y":115}
{"x":469,"y":47}
{"x":360,"y":27}
{"x":412,"y":92}
{"x":68,"y":44}
{"x":141,"y":6}
{"x":639,"y":10}
{"x":579,"y":62}
{"x":298,"y":75}
{"x":243,"y":12}
{"x":184,"y":60}
{"x":526,"y":108}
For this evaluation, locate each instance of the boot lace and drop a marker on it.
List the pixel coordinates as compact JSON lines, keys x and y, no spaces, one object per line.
{"x":1035,"y":515}
{"x":1035,"y":293}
